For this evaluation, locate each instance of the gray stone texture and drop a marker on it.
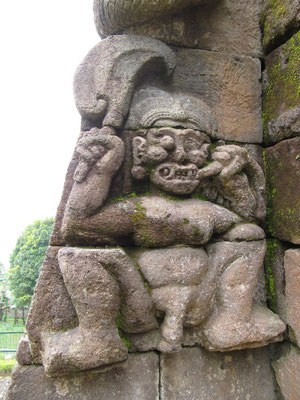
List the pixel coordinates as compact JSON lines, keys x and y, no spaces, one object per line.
{"x":196,"y":374}
{"x":229,"y":85}
{"x":4,"y":385}
{"x":283,"y":177}
{"x":275,"y":277}
{"x":105,"y":81}
{"x":136,"y":379}
{"x":113,"y":15}
{"x":292,"y":292}
{"x":51,"y":307}
{"x":230,"y":26}
{"x":279,"y":19}
{"x":287,"y":369}
{"x":281,"y":99}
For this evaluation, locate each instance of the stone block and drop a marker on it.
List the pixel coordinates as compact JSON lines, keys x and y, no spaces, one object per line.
{"x":51,"y":307}
{"x":292,"y":292}
{"x":281,"y":98}
{"x":275,"y":277}
{"x":196,"y":374}
{"x":287,"y":370}
{"x":279,"y":17}
{"x":283,"y":176}
{"x":137,"y":379}
{"x":229,"y":85}
{"x":230,"y":26}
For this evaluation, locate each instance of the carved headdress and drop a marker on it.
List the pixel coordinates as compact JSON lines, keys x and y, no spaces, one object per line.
{"x":153,"y":107}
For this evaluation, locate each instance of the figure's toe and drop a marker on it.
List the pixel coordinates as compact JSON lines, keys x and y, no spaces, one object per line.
{"x":225,"y":332}
{"x":167,"y":347}
{"x":80,"y":350}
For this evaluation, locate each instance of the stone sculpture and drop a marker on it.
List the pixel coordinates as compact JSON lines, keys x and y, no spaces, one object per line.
{"x":160,"y":228}
{"x":113,"y":15}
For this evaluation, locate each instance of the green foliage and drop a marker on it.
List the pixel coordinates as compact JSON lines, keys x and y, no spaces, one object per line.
{"x":7,"y":366}
{"x":27,"y":258}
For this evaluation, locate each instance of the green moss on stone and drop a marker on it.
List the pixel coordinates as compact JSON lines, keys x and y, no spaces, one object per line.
{"x":270,"y":280}
{"x":283,"y":66}
{"x":272,"y":20}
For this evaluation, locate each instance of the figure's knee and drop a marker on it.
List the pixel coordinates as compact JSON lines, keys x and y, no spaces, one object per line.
{"x":244,"y":232}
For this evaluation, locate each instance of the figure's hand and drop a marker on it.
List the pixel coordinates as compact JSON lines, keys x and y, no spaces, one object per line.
{"x":92,"y":147}
{"x":232,"y":158}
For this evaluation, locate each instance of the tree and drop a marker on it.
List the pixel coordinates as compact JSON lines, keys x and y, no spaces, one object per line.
{"x":26,"y":260}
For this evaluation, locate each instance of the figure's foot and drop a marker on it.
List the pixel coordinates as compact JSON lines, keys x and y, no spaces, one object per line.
{"x":225,"y":332}
{"x":81,"y":349}
{"x":167,"y":347}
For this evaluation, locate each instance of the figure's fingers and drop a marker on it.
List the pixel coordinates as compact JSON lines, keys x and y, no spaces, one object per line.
{"x":212,"y":169}
{"x":81,"y":171}
{"x":221,"y":156}
{"x":85,"y":153}
{"x":233,"y":168}
{"x":232,"y":150}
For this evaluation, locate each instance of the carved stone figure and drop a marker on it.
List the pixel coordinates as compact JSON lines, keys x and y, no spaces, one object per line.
{"x":192,"y":250}
{"x":113,"y":15}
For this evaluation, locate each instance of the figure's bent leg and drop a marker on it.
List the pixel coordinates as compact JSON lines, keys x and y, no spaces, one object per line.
{"x":235,"y":323}
{"x":96,"y":298}
{"x":136,"y":310}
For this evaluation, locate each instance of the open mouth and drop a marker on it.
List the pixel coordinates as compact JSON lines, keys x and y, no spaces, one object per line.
{"x":175,"y":178}
{"x":178,"y":172}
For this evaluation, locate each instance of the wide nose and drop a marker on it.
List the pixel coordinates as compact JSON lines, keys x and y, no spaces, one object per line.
{"x":180,"y":154}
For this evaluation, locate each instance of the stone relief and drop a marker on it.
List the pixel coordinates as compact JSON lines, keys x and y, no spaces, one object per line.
{"x":111,"y":16}
{"x":191,"y":250}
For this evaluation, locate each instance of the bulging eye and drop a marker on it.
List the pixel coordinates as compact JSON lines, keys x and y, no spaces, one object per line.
{"x":156,"y":154}
{"x":167,"y":142}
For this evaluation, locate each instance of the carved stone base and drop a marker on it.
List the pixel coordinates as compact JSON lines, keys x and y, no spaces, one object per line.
{"x":191,"y":374}
{"x":137,"y":378}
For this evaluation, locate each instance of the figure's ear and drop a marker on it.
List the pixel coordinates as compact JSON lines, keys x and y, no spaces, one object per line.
{"x":139,"y":148}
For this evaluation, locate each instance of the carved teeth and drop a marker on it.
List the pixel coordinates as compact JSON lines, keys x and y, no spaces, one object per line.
{"x":177,"y":172}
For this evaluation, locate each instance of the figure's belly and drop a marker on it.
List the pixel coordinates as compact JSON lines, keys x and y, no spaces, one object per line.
{"x":159,"y":223}
{"x":180,"y":266}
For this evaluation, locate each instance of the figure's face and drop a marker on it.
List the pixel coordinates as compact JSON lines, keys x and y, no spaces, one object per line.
{"x":173,"y":157}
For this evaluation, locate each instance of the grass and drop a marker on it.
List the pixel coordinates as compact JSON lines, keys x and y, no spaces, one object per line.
{"x":7,"y":366}
{"x":9,"y":342}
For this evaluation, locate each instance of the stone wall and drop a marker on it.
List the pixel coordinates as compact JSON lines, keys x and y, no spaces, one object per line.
{"x":178,"y":310}
{"x":281,"y":120}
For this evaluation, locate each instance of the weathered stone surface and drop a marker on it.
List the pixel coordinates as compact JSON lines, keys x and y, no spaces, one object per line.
{"x":51,"y":307}
{"x":281,"y":97}
{"x":104,"y":82}
{"x":56,"y":238}
{"x":96,"y":298}
{"x":24,"y":355}
{"x":283,"y":177}
{"x":196,"y":374}
{"x":279,"y":17}
{"x":229,"y":85}
{"x":275,"y":278}
{"x":137,"y":379}
{"x":292,"y":292}
{"x":113,"y":15}
{"x":287,"y":369}
{"x":230,"y":26}
{"x":95,"y":279}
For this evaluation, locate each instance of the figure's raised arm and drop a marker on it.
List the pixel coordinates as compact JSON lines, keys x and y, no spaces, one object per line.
{"x":241,"y":181}
{"x":101,"y":154}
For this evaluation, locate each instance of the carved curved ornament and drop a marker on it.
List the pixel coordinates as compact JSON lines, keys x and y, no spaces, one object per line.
{"x":112,"y":16}
{"x":105,"y":81}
